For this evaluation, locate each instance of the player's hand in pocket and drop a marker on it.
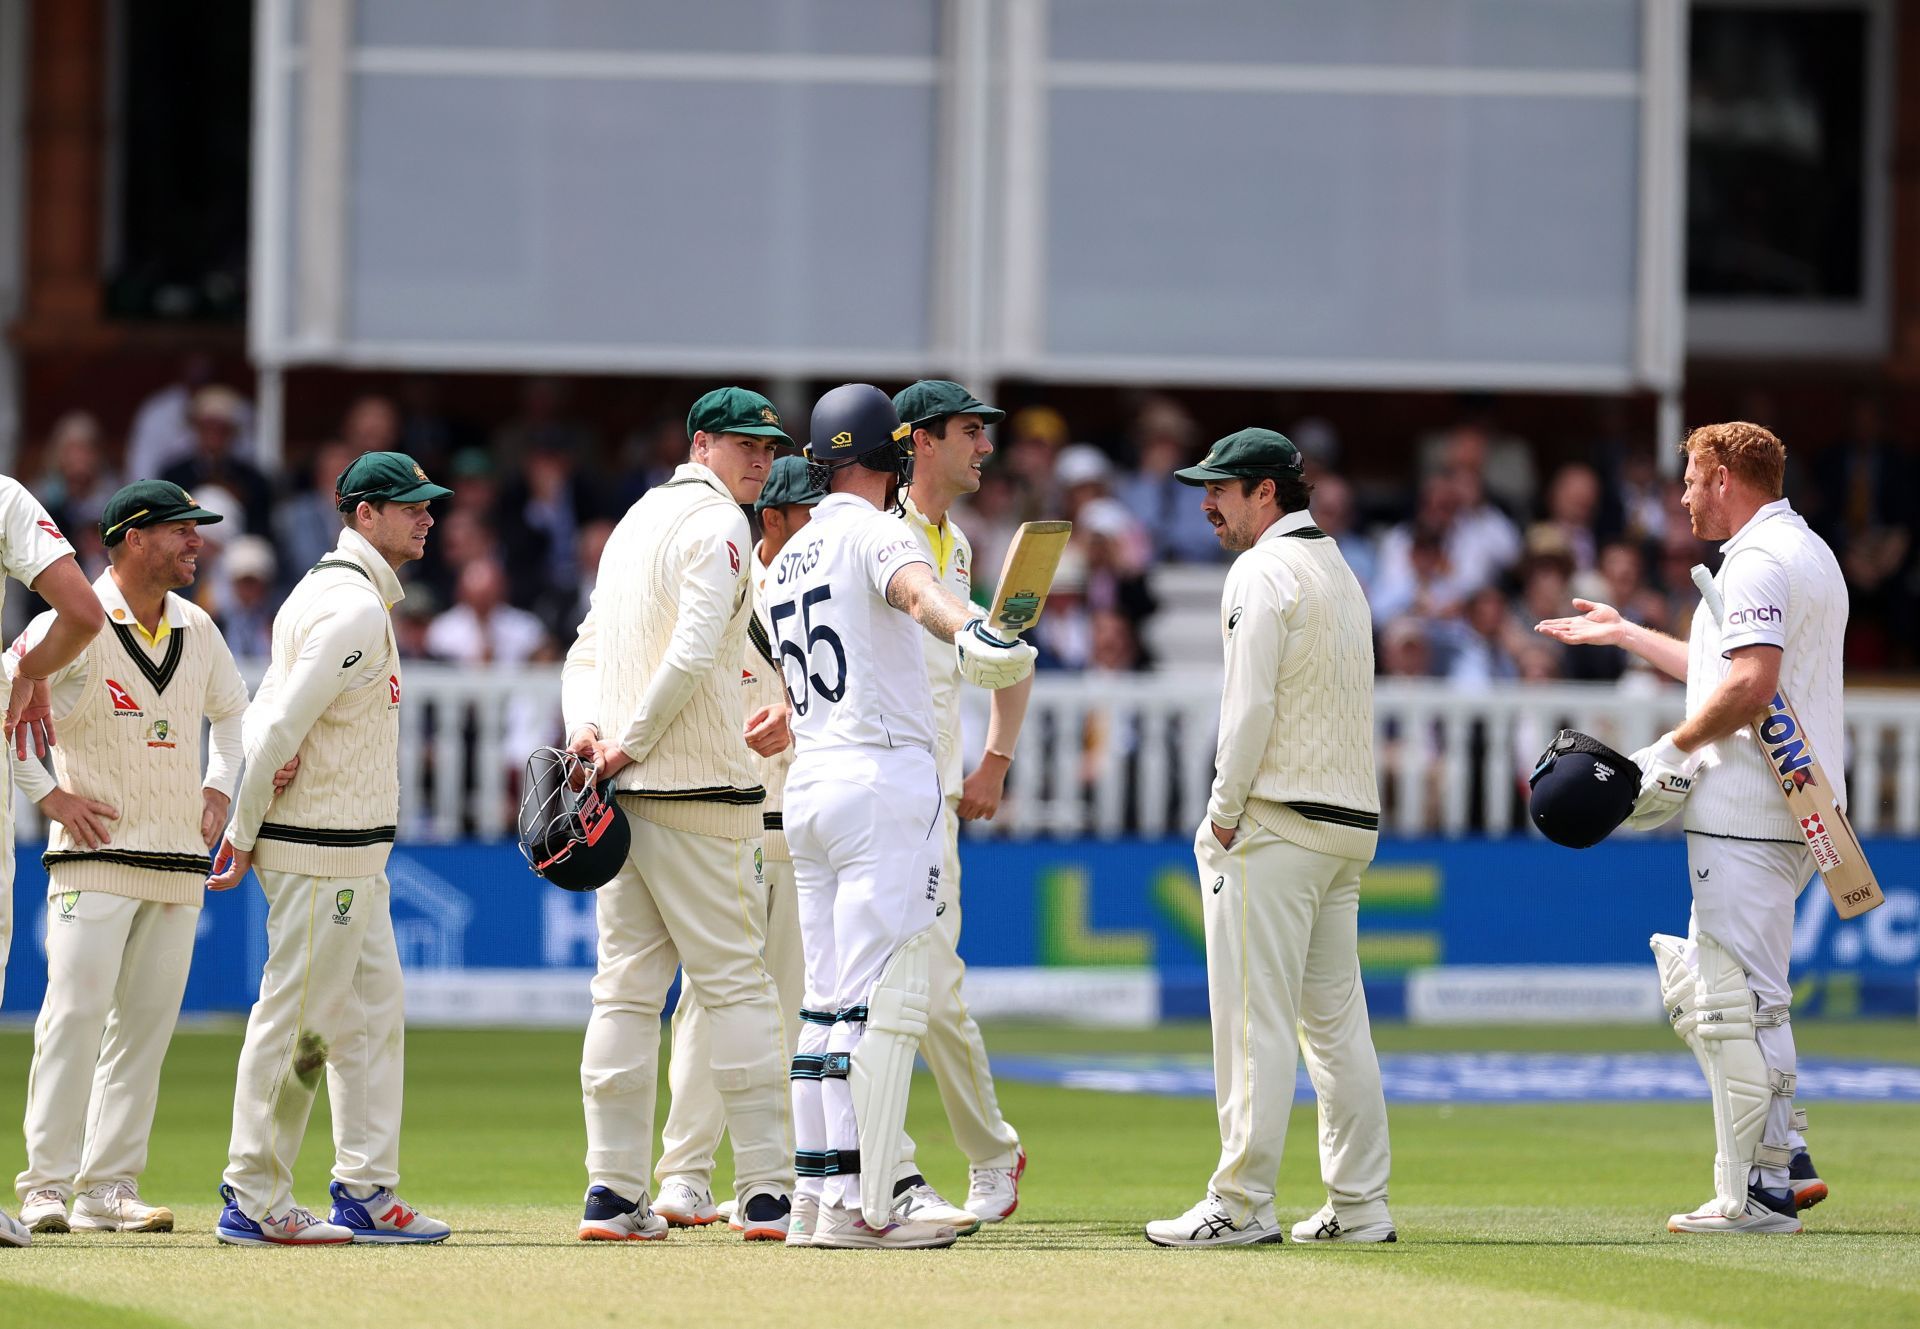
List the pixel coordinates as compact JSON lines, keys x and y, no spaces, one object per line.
{"x":85,"y":818}
{"x":990,"y":661}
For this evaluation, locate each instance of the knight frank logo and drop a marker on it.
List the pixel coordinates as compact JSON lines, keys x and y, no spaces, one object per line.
{"x":342,"y":902}
{"x":123,"y":702}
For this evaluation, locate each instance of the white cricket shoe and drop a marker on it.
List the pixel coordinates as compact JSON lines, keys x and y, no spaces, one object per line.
{"x":801,"y":1222}
{"x":611,"y":1218}
{"x":683,"y":1204}
{"x":1208,"y":1224}
{"x":845,"y":1229}
{"x":919,"y":1202}
{"x":383,"y":1217}
{"x":993,"y":1193}
{"x":1764,"y":1213}
{"x":44,"y":1210}
{"x":1326,"y":1226}
{"x":730,"y":1211}
{"x":13,"y":1232}
{"x":296,"y":1227}
{"x":117,"y":1207}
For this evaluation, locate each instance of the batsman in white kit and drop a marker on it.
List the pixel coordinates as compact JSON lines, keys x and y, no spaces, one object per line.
{"x":126,"y":863}
{"x":331,"y":997}
{"x":1725,"y":984}
{"x":850,"y":597}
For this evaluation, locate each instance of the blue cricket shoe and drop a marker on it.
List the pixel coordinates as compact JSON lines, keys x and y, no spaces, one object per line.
{"x":382,"y":1217}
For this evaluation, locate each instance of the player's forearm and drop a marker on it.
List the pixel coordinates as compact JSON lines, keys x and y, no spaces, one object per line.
{"x":580,"y":679}
{"x":276,"y":725}
{"x":1006,"y":713}
{"x":1243,"y":738}
{"x":66,"y":638}
{"x":938,"y":610}
{"x":1742,"y":695}
{"x":226,"y":751}
{"x":1664,"y":653}
{"x":668,"y":692}
{"x":30,"y":776}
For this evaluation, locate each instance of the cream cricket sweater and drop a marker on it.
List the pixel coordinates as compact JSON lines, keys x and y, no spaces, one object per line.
{"x":951,"y":554}
{"x":657,"y":661}
{"x":332,"y":695}
{"x":764,"y":685}
{"x":129,"y":712}
{"x":1296,"y":716}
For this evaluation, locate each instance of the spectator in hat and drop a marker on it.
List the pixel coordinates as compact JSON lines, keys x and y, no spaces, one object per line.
{"x":307,"y":524}
{"x":1165,"y":439}
{"x":217,"y":415}
{"x":162,"y":433}
{"x":246,"y":619}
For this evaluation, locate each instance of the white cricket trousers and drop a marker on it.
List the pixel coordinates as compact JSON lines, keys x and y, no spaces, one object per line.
{"x":696,"y":1115}
{"x":116,"y":971}
{"x":865,"y":828}
{"x":331,"y":998}
{"x":1743,"y":897}
{"x":1283,"y":978}
{"x":691,"y":902}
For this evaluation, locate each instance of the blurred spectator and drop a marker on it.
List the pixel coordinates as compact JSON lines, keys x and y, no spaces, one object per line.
{"x":1319,"y":445}
{"x":563,"y":612}
{"x":427,"y":433}
{"x":76,"y":490}
{"x":1406,"y":649}
{"x":649,"y":457}
{"x":1032,"y":438}
{"x":413,"y":619}
{"x":1508,"y":465}
{"x":246,"y":619}
{"x":1410,"y":767}
{"x":308,"y":523}
{"x":162,"y":433}
{"x":216,"y":415}
{"x":988,"y":516}
{"x":539,"y":517}
{"x":1333,"y":512}
{"x":1115,"y":560}
{"x":1484,"y":643}
{"x":1546,"y":591}
{"x":1416,"y":576}
{"x":1165,"y":439}
{"x":1869,"y":509}
{"x":481,"y":627}
{"x":543,"y":423}
{"x":371,"y":424}
{"x":1573,"y":504}
{"x":1637,"y":502}
{"x":476,"y":489}
{"x":1064,"y":634}
{"x":1484,"y":544}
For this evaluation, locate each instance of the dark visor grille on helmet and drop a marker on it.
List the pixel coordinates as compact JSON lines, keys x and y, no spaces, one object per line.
{"x":561,"y":809}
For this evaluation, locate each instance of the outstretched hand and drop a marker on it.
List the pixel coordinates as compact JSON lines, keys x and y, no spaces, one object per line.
{"x":1595,"y":625}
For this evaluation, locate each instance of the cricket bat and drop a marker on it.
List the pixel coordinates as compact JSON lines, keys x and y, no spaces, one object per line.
{"x":1027,"y":576}
{"x":1836,"y":849}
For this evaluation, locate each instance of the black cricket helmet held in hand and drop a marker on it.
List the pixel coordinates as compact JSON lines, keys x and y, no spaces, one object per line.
{"x":1582,"y":790}
{"x":571,"y":831}
{"x":856,"y":422}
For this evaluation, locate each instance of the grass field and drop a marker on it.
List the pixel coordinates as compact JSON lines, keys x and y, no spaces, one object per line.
{"x":1549,"y":1215}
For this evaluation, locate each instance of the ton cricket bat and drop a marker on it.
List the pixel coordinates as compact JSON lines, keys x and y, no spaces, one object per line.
{"x":1027,"y":576}
{"x":1836,"y":849}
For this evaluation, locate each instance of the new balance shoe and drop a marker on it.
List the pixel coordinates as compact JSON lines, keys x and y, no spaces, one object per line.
{"x":296,"y":1227}
{"x":1808,"y":1190}
{"x":117,"y":1207}
{"x":767,"y":1216}
{"x":610,"y":1218}
{"x":383,"y":1217}
{"x":802,"y":1221}
{"x":1765,"y":1212}
{"x":915,"y":1201}
{"x":993,"y":1193}
{"x":683,"y":1204}
{"x":845,"y":1229}
{"x":1209,"y":1224}
{"x":13,"y":1232}
{"x":1326,"y":1226}
{"x":44,"y":1211}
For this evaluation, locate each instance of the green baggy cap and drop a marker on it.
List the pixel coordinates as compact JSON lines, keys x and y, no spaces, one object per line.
{"x":149,"y":503}
{"x":1251,"y":454}
{"x":788,"y":483}
{"x":735,"y":411}
{"x":931,"y":398}
{"x":384,"y":477}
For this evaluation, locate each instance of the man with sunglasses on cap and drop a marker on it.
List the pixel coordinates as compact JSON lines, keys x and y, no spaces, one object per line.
{"x":651,"y":695}
{"x":1291,"y":825}
{"x":330,"y":998}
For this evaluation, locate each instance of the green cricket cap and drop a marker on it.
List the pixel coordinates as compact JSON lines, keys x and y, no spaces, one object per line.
{"x":735,"y":411}
{"x":1251,"y":454}
{"x":788,"y":482}
{"x":384,"y":477}
{"x":932,"y":398}
{"x":149,"y":503}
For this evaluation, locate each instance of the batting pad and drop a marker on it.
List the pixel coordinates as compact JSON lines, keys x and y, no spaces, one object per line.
{"x":882,"y":1071}
{"x":1677,"y":991}
{"x":1736,"y":1072}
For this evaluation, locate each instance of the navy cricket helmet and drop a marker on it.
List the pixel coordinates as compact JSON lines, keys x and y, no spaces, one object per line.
{"x":1581,"y":790}
{"x":856,"y":422}
{"x":571,"y":831}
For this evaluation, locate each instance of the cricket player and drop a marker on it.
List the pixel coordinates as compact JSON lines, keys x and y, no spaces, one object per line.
{"x":35,"y":553}
{"x":950,"y":445}
{"x":696,"y":1118}
{"x":1786,"y":621}
{"x":1291,"y":825}
{"x":651,"y":694}
{"x":126,"y":867}
{"x":865,"y":811}
{"x":331,"y":996}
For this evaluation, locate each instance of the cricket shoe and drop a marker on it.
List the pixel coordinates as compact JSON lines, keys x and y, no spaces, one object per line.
{"x":766,"y":1216}
{"x":915,"y":1201}
{"x":730,"y":1211}
{"x":383,"y":1217}
{"x":1765,"y":1212}
{"x":993,"y":1193}
{"x":117,"y":1207}
{"x":296,"y":1227}
{"x":1326,"y":1226}
{"x":1808,"y":1190}
{"x":845,"y":1229}
{"x":683,"y":1204}
{"x":1209,"y":1224}
{"x":610,"y":1218}
{"x":801,"y":1221}
{"x":13,"y":1232}
{"x":44,"y":1211}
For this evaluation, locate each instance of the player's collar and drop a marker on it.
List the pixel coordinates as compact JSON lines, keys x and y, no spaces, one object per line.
{"x":1780,"y":507}
{"x":692,"y":472}
{"x":173,"y":610}
{"x":939,"y":535}
{"x":356,"y":548}
{"x":1289,"y":523}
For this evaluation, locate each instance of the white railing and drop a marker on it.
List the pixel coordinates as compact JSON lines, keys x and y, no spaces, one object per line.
{"x":1133,"y":754}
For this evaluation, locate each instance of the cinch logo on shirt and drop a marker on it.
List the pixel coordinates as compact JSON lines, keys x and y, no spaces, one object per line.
{"x":123,"y":702}
{"x":1741,"y":618}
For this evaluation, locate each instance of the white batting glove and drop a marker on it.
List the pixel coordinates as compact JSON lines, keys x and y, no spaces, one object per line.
{"x":988,"y":661}
{"x":1666,"y":778}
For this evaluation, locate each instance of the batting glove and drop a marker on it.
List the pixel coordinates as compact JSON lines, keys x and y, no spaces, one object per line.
{"x":988,"y":661}
{"x":1666,"y":778}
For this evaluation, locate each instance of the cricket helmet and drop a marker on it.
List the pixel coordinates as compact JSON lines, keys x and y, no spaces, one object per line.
{"x":1581,"y":790}
{"x":571,"y":831}
{"x":856,"y":422}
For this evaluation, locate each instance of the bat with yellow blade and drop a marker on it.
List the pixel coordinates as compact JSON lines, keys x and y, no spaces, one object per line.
{"x":1027,"y":576}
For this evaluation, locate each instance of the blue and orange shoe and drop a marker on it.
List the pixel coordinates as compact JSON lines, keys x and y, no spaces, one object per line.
{"x":1808,"y":1190}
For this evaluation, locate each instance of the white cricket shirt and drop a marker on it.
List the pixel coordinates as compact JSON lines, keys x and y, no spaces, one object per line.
{"x":855,"y":672}
{"x":1781,"y":587}
{"x":29,"y":544}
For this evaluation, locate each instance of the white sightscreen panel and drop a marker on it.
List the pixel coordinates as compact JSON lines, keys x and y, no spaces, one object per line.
{"x":744,"y":215}
{"x":1490,"y":34}
{"x":1322,"y":226}
{"x":797,"y":27}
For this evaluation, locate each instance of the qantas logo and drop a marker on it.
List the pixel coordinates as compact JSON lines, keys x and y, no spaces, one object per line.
{"x":393,"y":689}
{"x":123,"y":702}
{"x":733,"y":558}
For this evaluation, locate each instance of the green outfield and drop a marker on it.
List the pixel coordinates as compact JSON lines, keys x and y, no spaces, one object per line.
{"x":1536,"y":1215}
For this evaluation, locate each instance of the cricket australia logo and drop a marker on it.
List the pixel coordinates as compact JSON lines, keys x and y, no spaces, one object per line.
{"x":68,"y":899}
{"x":342,"y":902}
{"x":123,"y":702}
